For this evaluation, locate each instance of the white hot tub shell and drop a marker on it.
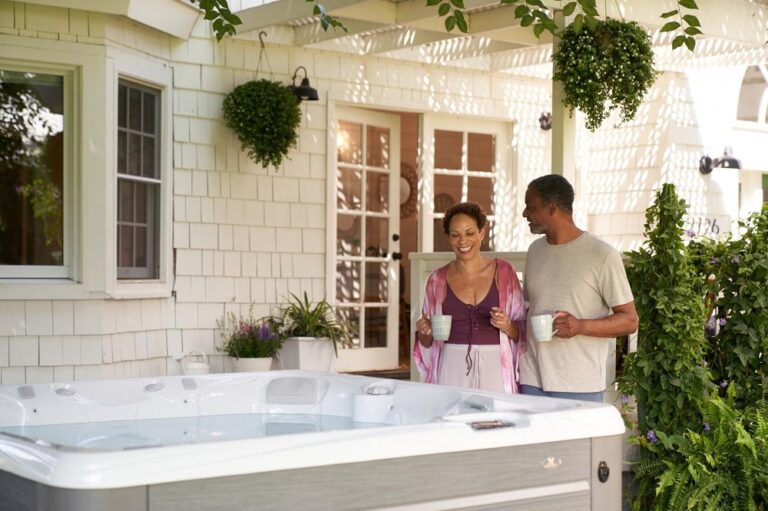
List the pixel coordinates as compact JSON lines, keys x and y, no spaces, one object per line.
{"x":298,"y":440}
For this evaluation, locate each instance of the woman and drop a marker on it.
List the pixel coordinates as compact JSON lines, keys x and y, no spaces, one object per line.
{"x":484,"y":298}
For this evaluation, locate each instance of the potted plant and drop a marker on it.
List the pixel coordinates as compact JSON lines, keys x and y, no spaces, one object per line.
{"x":252,"y":344}
{"x":604,"y":66}
{"x":266,"y":116}
{"x":313,"y":335}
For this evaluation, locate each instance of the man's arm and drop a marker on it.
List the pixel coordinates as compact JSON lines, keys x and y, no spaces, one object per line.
{"x":623,"y":321}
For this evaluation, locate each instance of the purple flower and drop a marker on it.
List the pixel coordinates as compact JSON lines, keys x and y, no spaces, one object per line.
{"x":713,"y":260}
{"x":706,"y":427}
{"x":690,"y":233}
{"x":19,"y":188}
{"x":651,"y":436}
{"x":624,"y":398}
{"x":264,"y":332}
{"x":723,"y":321}
{"x":735,"y":259}
{"x":723,"y":384}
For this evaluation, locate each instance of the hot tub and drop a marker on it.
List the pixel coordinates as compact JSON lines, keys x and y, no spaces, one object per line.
{"x":296,"y":440}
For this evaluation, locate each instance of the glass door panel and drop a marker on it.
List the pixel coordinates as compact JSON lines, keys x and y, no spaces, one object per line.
{"x":367,"y":217}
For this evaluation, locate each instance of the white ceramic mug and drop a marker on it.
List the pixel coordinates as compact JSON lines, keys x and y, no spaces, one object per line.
{"x":542,"y":327}
{"x":441,"y":327}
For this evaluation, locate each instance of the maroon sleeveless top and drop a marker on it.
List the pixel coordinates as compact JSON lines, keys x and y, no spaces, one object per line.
{"x":471,"y":324}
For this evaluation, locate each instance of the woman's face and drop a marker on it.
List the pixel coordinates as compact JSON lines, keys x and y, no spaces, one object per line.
{"x":464,"y":236}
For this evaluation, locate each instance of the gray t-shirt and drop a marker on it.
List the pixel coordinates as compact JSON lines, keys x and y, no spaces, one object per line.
{"x":585,"y":277}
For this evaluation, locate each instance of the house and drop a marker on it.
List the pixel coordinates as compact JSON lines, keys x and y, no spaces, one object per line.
{"x":131,"y":220}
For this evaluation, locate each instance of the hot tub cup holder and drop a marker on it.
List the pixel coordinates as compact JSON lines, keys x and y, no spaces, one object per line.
{"x":374,"y":403}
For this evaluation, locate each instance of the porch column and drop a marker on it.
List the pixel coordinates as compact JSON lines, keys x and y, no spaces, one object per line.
{"x":563,"y":125}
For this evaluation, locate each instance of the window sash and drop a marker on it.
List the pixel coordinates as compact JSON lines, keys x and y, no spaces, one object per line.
{"x":139,"y":184}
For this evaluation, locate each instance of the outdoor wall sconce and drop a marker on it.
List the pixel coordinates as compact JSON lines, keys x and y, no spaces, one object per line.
{"x":303,"y":91}
{"x":707,"y":164}
{"x":545,"y":120}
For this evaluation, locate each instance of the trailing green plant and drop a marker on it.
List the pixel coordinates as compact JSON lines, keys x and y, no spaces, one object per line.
{"x":301,"y":318}
{"x":735,"y":276}
{"x":246,"y":337}
{"x":666,"y":373}
{"x":266,"y":116}
{"x":604,"y":67}
{"x":722,"y":465}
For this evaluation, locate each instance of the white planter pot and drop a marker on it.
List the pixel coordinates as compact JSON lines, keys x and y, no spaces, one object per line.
{"x":250,"y":365}
{"x":307,"y":354}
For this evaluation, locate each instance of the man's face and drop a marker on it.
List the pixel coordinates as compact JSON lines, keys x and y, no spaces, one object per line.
{"x":537,"y":212}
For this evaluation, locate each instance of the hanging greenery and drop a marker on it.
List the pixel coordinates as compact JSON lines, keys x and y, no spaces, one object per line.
{"x":266,"y":116}
{"x":605,"y":67}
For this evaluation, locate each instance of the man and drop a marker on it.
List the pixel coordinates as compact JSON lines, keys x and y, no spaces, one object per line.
{"x":579,"y":279}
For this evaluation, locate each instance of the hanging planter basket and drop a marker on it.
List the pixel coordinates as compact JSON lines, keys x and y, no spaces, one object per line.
{"x":605,"y":67}
{"x":266,"y":116}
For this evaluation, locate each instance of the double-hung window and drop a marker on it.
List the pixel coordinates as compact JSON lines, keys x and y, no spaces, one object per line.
{"x":138,"y":181}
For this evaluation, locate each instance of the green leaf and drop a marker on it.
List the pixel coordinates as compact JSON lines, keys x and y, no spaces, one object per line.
{"x":690,"y":43}
{"x":521,"y":10}
{"x":578,"y":23}
{"x":526,"y":20}
{"x":692,"y":31}
{"x":692,"y":20}
{"x":459,"y":4}
{"x":688,"y":4}
{"x":536,"y":3}
{"x":538,"y":29}
{"x":591,"y":22}
{"x":669,"y":14}
{"x":670,"y":26}
{"x":316,"y":10}
{"x":461,"y":21}
{"x":450,"y":22}
{"x":569,"y":8}
{"x":444,"y":9}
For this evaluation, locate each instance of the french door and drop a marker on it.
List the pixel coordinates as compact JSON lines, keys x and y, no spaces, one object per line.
{"x":364,"y":242}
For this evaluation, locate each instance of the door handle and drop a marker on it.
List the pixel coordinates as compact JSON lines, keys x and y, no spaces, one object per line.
{"x":396,"y":256}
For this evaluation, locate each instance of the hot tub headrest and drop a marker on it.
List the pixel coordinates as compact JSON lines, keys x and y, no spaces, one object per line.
{"x":295,"y":390}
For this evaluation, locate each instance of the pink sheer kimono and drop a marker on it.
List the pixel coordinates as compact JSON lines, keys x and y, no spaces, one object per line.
{"x":510,"y":301}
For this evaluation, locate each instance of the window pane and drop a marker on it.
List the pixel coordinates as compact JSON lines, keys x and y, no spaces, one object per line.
{"x":376,"y":282}
{"x":148,"y":157}
{"x":377,"y":192}
{"x":149,"y":113}
{"x":348,"y":283}
{"x":349,"y":184}
{"x":134,"y":154}
{"x":349,"y":142}
{"x":448,"y":149}
{"x":134,"y":109}
{"x":348,"y":235}
{"x":122,"y":106}
{"x":351,"y":317}
{"x":376,"y":236}
{"x":143,"y":192}
{"x":439,"y":238}
{"x":480,"y":190}
{"x":125,"y":202}
{"x":447,"y":192}
{"x":377,"y":150}
{"x":31,"y":168}
{"x":140,"y":240}
{"x":125,"y":246}
{"x":481,"y":152}
{"x":122,"y":152}
{"x":375,"y":328}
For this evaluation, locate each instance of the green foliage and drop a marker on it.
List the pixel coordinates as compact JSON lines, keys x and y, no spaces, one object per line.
{"x":224,"y":22}
{"x":301,"y":318}
{"x":604,"y":66}
{"x":735,"y":276}
{"x":249,"y":338}
{"x":666,"y":374}
{"x":266,"y":116}
{"x":722,"y":465}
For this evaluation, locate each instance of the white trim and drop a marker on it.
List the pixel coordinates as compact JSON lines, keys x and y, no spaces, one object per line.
{"x":157,"y":75}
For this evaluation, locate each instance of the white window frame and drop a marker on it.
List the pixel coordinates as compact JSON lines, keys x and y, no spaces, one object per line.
{"x":12,"y":273}
{"x":139,"y":70}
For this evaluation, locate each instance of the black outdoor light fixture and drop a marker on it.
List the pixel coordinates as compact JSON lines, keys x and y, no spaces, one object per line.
{"x":545,"y":120}
{"x":727,"y":161}
{"x":303,"y":91}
